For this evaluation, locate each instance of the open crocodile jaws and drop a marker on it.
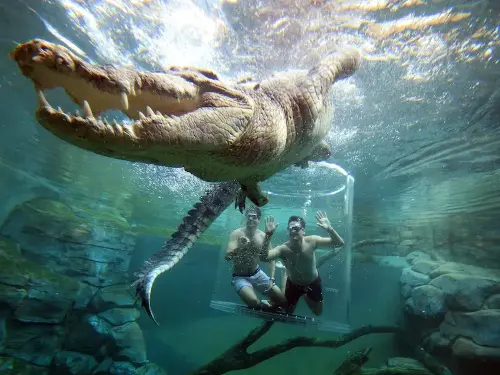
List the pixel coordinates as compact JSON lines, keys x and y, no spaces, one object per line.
{"x":186,"y":117}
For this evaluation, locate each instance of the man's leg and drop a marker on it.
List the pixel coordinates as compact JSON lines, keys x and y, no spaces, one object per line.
{"x":246,"y":292}
{"x":261,"y":282}
{"x":277,"y":297}
{"x":314,"y":297}
{"x":284,"y":276}
{"x":292,"y":295}
{"x":315,"y":306}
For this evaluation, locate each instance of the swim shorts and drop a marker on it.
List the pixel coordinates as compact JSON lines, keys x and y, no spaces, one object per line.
{"x":293,"y":292}
{"x":257,"y":279}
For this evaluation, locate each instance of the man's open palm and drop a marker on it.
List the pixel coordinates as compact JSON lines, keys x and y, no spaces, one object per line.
{"x":323,"y":221}
{"x":270,"y":225}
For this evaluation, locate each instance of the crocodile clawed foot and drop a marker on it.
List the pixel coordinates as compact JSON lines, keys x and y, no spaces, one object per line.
{"x":240,"y":201}
{"x":252,"y":192}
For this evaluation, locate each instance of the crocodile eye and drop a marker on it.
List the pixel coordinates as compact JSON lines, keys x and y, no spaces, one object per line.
{"x":64,"y":64}
{"x":62,"y":61}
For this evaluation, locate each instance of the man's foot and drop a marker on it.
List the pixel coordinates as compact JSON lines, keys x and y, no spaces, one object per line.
{"x":265,"y":303}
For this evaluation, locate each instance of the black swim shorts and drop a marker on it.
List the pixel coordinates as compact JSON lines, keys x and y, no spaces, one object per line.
{"x":293,"y":292}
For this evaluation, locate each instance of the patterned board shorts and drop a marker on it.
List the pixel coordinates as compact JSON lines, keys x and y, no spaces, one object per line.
{"x":257,"y":280}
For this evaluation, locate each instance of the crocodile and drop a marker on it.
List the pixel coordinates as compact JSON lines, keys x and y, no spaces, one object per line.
{"x":236,"y":134}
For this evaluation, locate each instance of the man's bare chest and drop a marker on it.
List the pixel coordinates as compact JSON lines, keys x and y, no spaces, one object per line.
{"x":295,"y":258}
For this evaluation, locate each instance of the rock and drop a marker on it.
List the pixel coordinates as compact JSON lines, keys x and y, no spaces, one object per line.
{"x":406,"y":291}
{"x":413,"y":278}
{"x":42,"y":307}
{"x":12,"y":271}
{"x":54,"y":310}
{"x":3,"y":330}
{"x":465,"y":292}
{"x":73,"y":363}
{"x":34,"y":343}
{"x":50,"y":297}
{"x":84,"y":296}
{"x":452,"y":267}
{"x":410,"y":306}
{"x":121,"y":368}
{"x":150,"y":369}
{"x":14,"y":366}
{"x":130,"y":345}
{"x":112,"y":297}
{"x":95,"y":331}
{"x":11,"y":296}
{"x":436,"y":340}
{"x":407,"y":364}
{"x":424,"y":266}
{"x":120,"y":316}
{"x":103,"y":367}
{"x":428,"y":301}
{"x":35,"y":292}
{"x":493,"y":302}
{"x":9,"y":248}
{"x":416,"y":256}
{"x":465,"y":348}
{"x":483,"y":326}
{"x":93,"y":246}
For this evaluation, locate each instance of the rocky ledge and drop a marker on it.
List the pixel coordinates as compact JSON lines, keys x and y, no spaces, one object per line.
{"x":66,"y":306}
{"x":53,"y":324}
{"x":457,"y":306}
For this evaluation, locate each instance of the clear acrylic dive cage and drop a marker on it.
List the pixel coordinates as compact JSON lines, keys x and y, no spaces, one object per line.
{"x":321,"y":187}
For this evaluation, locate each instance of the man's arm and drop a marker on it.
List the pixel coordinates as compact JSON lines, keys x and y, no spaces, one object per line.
{"x":270,"y":254}
{"x":273,"y":254}
{"x":321,"y":242}
{"x":272,"y":269}
{"x":264,"y":256}
{"x":334,"y":239}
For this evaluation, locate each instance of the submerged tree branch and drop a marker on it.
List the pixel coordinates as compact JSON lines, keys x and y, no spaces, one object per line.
{"x":254,"y":335}
{"x":363,"y":243}
{"x":238,"y":358}
{"x":372,"y":242}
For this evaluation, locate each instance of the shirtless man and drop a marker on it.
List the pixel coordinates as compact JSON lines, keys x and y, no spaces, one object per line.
{"x":245,"y":249}
{"x":298,"y":256}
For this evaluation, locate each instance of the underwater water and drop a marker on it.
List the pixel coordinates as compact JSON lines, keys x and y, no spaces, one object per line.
{"x":412,"y":185}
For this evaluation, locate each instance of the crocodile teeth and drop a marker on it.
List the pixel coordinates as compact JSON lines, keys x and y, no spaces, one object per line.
{"x":124,"y":100}
{"x":42,"y":101}
{"x":86,"y":109}
{"x":149,"y":111}
{"x":142,"y":116}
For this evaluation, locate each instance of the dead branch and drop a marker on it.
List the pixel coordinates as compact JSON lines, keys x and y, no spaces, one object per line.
{"x":238,"y":358}
{"x":363,"y":243}
{"x":376,"y":241}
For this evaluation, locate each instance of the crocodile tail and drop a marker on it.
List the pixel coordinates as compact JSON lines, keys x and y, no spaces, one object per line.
{"x":198,"y":219}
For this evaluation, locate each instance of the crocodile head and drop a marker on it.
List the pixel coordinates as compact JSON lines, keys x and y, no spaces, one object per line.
{"x":153,"y":102}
